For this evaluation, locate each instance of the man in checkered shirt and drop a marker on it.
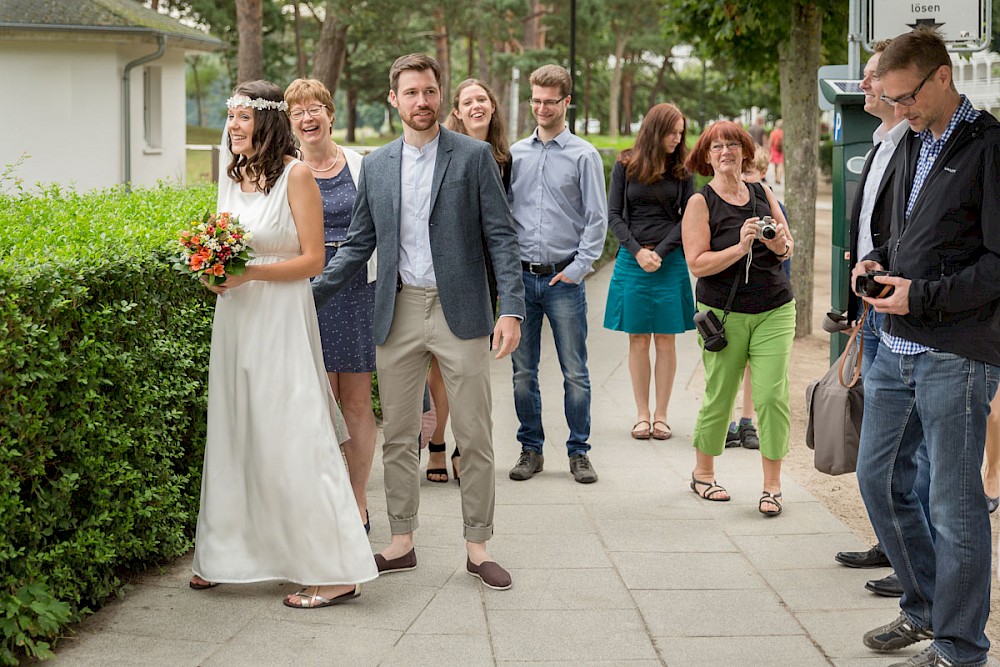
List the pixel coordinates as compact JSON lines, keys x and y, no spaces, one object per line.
{"x":938,"y":361}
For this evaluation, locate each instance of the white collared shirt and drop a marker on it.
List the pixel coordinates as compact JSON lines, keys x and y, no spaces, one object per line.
{"x":416,"y":179}
{"x":885,"y":146}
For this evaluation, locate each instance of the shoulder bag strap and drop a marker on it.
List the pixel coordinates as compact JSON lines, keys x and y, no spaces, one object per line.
{"x":855,"y":334}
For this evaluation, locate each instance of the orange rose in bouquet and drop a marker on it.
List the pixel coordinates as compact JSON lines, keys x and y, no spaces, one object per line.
{"x":215,"y":247}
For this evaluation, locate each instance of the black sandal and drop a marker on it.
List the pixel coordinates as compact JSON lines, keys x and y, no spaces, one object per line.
{"x":710,"y":490}
{"x":437,"y":449}
{"x":771,"y":499}
{"x":454,"y":464}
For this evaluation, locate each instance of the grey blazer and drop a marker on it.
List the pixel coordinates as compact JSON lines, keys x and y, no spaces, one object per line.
{"x":467,"y":205}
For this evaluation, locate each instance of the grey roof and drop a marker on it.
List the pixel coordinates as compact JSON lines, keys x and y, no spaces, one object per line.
{"x":98,"y":15}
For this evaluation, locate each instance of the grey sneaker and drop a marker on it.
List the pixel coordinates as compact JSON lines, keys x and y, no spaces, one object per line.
{"x":526,"y":466}
{"x":926,"y":658}
{"x":582,"y":471}
{"x":896,"y":635}
{"x":748,"y":436}
{"x":733,"y":436}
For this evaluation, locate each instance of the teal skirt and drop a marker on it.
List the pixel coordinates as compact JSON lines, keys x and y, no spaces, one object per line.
{"x":641,"y":303}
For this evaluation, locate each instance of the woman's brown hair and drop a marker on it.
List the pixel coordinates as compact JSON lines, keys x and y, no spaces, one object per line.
{"x":720,"y":131}
{"x":272,"y":139}
{"x":647,"y":161}
{"x":496,"y":135}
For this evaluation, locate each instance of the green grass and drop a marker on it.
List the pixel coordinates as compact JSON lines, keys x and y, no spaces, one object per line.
{"x":203,"y":135}
{"x":199,"y":164}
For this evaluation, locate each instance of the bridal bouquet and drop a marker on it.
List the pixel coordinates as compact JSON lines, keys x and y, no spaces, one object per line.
{"x":214,"y":247}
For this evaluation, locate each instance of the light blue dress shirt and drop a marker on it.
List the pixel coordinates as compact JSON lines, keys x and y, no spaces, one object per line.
{"x":559,"y":201}
{"x":416,"y":267}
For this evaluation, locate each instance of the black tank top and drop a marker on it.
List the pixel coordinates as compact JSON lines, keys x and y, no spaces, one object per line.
{"x":768,"y":287}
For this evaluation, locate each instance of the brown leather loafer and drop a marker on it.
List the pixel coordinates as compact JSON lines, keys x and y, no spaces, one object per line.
{"x":405,"y":562}
{"x":491,"y":574}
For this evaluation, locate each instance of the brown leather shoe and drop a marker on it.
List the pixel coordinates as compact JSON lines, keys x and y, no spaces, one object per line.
{"x":491,"y":574}
{"x":405,"y":562}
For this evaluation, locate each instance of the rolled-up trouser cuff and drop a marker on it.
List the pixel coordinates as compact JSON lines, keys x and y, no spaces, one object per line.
{"x":478,"y":533}
{"x":403,"y":526}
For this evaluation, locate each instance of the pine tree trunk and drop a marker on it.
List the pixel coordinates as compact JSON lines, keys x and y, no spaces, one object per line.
{"x":442,"y":47}
{"x":300,"y":56}
{"x":614,"y":95}
{"x":331,"y":50}
{"x":250,"y":28}
{"x":798,"y":59}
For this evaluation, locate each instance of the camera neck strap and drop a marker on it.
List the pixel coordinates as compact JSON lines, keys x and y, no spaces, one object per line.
{"x":736,"y":278}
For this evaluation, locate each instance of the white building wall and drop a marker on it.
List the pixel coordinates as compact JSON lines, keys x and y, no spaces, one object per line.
{"x":166,"y":162}
{"x":60,"y":107}
{"x":978,"y":78}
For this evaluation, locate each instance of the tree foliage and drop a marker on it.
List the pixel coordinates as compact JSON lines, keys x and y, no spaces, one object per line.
{"x":783,"y":45}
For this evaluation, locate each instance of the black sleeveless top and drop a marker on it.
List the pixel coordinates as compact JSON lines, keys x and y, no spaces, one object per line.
{"x":768,"y":286}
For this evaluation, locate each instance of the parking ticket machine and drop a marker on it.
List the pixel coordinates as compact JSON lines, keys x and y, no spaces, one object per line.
{"x":852,"y":140}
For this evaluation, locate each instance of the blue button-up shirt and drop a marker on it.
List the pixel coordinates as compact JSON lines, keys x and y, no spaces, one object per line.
{"x":559,"y":201}
{"x":930,"y":149}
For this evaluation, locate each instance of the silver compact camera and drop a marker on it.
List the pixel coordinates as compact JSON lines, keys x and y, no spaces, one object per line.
{"x":768,"y":229}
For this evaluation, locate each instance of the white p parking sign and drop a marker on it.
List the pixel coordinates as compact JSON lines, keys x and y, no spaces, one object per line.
{"x":965,"y":24}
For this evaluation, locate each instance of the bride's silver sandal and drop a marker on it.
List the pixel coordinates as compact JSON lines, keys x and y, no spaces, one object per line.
{"x":307,"y":601}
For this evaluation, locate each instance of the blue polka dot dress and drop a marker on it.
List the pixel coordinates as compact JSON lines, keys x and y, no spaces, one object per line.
{"x":346,"y":322}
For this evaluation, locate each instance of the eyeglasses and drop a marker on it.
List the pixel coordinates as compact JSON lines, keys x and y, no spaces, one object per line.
{"x":311,"y":111}
{"x":545,"y":103}
{"x":908,"y":100}
{"x":732,"y":145}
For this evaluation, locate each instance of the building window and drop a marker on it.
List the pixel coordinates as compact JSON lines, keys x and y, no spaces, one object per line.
{"x":152,"y":106}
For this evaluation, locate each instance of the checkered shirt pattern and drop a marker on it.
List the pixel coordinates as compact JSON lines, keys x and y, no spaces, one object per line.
{"x":929,"y":151}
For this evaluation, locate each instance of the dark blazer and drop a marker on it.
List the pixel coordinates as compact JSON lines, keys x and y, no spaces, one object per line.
{"x":468,"y":205}
{"x":881,"y":215}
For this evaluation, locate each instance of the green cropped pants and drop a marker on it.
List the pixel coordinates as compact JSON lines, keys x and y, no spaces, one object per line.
{"x":765,"y":341}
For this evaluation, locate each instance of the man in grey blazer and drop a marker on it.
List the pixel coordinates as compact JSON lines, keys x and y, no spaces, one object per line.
{"x":427,"y":201}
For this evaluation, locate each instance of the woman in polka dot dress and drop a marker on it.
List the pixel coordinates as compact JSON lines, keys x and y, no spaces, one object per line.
{"x":345,"y":323}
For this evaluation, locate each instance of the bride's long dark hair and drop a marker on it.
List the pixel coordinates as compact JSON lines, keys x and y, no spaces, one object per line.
{"x":272,"y":138}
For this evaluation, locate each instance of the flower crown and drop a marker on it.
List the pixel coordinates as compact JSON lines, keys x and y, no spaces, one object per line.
{"x":256,"y":103}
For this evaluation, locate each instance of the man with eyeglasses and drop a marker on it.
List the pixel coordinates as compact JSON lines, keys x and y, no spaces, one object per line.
{"x":938,"y":363}
{"x":559,"y":202}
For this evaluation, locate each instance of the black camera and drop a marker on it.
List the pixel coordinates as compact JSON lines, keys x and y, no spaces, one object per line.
{"x":768,"y":230}
{"x":865,"y":285}
{"x":713,"y":333}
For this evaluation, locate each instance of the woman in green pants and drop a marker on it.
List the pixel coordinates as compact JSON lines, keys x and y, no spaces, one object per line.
{"x":738,"y":264}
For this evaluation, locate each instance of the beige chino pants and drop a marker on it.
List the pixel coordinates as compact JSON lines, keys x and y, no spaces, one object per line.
{"x":418,"y":331}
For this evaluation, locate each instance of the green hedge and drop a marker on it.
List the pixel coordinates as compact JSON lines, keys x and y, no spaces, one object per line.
{"x":103,"y":365}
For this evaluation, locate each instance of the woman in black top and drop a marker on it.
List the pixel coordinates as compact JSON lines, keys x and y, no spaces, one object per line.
{"x":650,"y":292}
{"x":723,"y":246}
{"x":475,"y":113}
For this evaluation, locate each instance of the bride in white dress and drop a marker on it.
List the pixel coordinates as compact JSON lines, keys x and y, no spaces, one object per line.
{"x":276,"y":500}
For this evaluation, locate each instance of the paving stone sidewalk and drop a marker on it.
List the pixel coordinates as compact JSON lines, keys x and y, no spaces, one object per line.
{"x":633,"y":570}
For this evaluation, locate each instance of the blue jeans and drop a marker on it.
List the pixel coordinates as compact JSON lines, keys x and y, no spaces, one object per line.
{"x":938,"y":400}
{"x":566,"y":307}
{"x":922,"y":485}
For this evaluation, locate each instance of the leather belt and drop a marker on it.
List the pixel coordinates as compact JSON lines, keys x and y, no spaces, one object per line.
{"x":538,"y":269}
{"x":649,"y":246}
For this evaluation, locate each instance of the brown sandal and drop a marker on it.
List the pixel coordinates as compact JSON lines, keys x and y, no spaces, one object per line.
{"x":641,"y":433}
{"x":661,"y":433}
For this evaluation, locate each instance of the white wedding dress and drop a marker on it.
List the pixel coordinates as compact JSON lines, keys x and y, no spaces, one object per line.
{"x":276,"y":500}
